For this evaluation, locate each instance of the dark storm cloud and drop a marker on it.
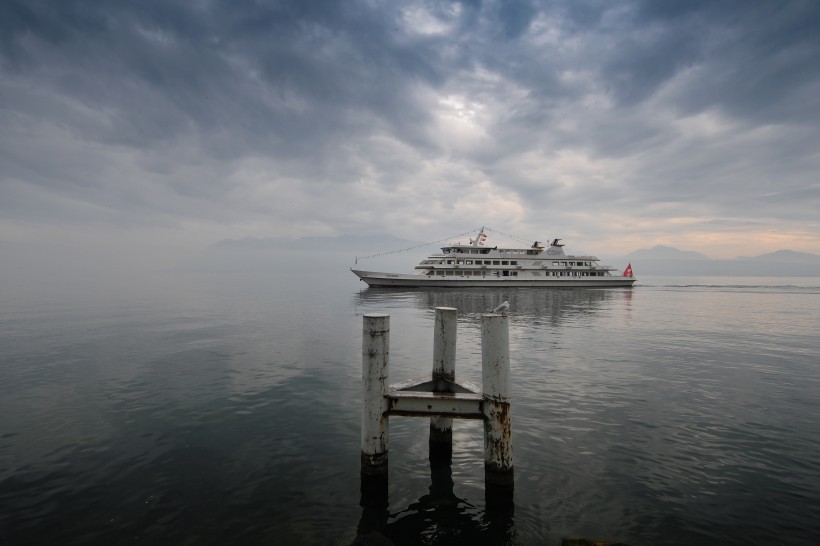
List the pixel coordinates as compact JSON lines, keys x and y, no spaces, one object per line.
{"x":282,"y":80}
{"x":286,"y":71}
{"x":325,"y":112}
{"x":758,"y":56}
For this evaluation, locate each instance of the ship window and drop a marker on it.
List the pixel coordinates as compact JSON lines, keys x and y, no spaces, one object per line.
{"x":449,"y":261}
{"x":487,"y":262}
{"x":514,"y":262}
{"x":505,"y":262}
{"x":449,"y":273}
{"x":496,"y":262}
{"x":468,"y":262}
{"x":440,"y":273}
{"x":514,"y":273}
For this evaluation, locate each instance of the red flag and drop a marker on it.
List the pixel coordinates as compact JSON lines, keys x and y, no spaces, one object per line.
{"x":628,"y":270}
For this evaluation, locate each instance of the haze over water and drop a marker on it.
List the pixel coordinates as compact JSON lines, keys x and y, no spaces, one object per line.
{"x":218,"y":409}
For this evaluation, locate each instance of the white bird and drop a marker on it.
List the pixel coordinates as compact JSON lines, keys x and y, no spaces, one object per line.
{"x":503,"y":308}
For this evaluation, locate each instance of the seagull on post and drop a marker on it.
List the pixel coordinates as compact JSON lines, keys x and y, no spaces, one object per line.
{"x":503,"y":308}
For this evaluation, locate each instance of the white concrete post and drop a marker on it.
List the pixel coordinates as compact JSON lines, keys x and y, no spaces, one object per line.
{"x":444,"y":367}
{"x":495,"y":370}
{"x":375,"y":371}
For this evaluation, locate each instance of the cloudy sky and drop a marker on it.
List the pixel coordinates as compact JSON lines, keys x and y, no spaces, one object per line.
{"x":164,"y":126}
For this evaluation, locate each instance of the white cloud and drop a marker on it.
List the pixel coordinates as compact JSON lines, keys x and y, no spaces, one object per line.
{"x":615,"y":125}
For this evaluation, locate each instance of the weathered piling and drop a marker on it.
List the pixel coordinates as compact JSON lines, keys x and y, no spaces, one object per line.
{"x":375,"y":374}
{"x":495,"y":370}
{"x":439,"y":398}
{"x":444,"y":369}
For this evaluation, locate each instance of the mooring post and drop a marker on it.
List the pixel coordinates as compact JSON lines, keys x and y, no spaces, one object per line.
{"x":495,"y":371}
{"x":375,"y":368}
{"x":444,"y":368}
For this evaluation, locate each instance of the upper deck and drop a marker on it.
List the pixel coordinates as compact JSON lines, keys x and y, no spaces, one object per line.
{"x":532,"y":253}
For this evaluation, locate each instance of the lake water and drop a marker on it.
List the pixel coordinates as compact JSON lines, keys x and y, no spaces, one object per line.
{"x":225,"y":409}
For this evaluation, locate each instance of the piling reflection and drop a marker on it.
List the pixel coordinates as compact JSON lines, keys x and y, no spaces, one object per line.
{"x":439,"y":517}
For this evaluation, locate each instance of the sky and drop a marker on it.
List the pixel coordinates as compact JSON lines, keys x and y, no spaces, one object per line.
{"x":147,"y":131}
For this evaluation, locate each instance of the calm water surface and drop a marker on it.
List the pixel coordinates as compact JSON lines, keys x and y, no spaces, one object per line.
{"x":216,"y":410}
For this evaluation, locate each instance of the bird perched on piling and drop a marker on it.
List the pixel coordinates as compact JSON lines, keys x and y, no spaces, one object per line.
{"x":503,"y":308}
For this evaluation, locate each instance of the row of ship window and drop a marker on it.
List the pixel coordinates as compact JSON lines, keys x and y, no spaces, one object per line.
{"x":531,"y":251}
{"x":501,"y":262}
{"x":467,"y":273}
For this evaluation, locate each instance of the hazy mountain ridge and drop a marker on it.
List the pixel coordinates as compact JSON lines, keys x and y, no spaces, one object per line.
{"x":665,"y":260}
{"x":661,"y":252}
{"x":363,"y":243}
{"x":790,"y":256}
{"x":304,"y":256}
{"x":387,"y":253}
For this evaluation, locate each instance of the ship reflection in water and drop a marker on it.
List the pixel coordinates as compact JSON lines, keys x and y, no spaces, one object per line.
{"x":550,"y":306}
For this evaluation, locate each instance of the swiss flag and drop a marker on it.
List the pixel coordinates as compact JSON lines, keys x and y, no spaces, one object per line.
{"x":628,"y":270}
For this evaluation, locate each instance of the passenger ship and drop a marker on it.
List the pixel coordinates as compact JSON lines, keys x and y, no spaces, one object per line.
{"x":474,"y":264}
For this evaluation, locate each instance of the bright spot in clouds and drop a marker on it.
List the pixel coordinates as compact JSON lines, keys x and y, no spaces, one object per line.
{"x":173,"y":125}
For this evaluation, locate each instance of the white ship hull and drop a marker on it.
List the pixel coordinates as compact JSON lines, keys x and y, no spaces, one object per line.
{"x":373,"y":278}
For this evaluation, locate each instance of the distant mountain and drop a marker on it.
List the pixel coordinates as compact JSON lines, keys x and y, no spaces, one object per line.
{"x":304,"y":256}
{"x":665,"y":260}
{"x":328,"y":257}
{"x":662,"y":252}
{"x":788,"y":256}
{"x":343,"y":243}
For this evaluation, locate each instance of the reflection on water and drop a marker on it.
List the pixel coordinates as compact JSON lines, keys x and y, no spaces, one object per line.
{"x":439,"y":517}
{"x":525,"y":303}
{"x":679,"y":412}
